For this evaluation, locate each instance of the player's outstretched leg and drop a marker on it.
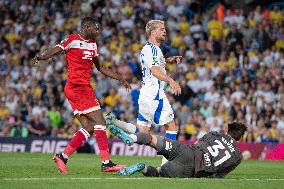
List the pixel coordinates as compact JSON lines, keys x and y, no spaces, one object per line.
{"x":110,"y":118}
{"x":131,"y":169}
{"x":139,"y":138}
{"x":121,"y":134}
{"x":127,"y":127}
{"x":164,"y":146}
{"x":171,"y":133}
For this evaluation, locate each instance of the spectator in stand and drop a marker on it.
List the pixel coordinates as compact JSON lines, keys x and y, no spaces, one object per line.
{"x":37,"y":127}
{"x":54,"y":119}
{"x":234,"y":38}
{"x":19,"y":129}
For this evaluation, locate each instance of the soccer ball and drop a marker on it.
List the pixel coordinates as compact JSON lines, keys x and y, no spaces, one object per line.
{"x":246,"y":155}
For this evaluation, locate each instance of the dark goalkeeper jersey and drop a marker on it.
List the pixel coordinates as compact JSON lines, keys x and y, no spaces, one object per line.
{"x":216,"y":155}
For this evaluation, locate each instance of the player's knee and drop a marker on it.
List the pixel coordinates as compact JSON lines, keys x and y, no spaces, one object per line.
{"x":164,"y":171}
{"x":89,"y":129}
{"x":96,"y":118}
{"x":143,"y":129}
{"x":143,"y":138}
{"x":159,"y":143}
{"x":101,"y":122}
{"x":171,"y":126}
{"x":97,"y":122}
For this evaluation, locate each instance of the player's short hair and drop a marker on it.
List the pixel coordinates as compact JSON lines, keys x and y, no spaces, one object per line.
{"x":152,"y":25}
{"x":236,"y":130}
{"x":88,"y":21}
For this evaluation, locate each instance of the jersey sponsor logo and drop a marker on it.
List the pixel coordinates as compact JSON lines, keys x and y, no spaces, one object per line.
{"x":87,"y":55}
{"x":77,"y":44}
{"x":169,"y":146}
{"x":155,"y":60}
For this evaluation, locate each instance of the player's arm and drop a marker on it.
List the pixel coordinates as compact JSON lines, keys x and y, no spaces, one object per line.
{"x":156,"y":71}
{"x":152,"y":61}
{"x":174,"y":59}
{"x":101,"y":68}
{"x":64,"y":45}
{"x":46,"y":54}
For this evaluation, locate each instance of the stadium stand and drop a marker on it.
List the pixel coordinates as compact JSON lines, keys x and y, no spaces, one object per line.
{"x":232,"y":67}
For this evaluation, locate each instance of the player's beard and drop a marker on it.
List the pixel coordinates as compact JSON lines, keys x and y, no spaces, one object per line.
{"x":160,"y":39}
{"x":92,"y":36}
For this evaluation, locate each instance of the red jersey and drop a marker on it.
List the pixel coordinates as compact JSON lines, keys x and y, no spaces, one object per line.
{"x":79,"y":55}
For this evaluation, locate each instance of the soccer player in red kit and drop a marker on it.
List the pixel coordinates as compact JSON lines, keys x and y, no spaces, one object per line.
{"x":81,"y":53}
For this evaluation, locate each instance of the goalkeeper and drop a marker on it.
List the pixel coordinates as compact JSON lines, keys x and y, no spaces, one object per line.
{"x":214,"y":155}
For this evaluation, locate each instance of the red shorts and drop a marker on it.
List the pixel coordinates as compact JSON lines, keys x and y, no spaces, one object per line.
{"x":82,"y":98}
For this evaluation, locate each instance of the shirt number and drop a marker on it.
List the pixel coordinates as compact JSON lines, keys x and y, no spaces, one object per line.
{"x":214,"y":151}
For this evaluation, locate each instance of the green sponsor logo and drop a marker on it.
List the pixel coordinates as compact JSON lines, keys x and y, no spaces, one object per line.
{"x":155,"y":60}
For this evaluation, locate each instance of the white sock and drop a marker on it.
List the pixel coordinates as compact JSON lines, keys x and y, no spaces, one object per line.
{"x":64,"y":155}
{"x":144,"y":170}
{"x":134,"y":137}
{"x":164,"y":160}
{"x":128,"y":127}
{"x":105,"y":161}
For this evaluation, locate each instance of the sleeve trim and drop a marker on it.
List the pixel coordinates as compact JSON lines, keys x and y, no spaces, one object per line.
{"x":60,"y":46}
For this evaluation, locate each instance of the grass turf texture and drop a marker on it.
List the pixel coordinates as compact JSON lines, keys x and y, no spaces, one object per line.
{"x":33,"y":170}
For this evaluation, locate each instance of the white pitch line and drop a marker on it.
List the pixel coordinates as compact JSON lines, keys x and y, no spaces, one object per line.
{"x":143,"y":178}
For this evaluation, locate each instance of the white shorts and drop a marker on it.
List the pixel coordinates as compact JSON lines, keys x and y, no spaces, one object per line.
{"x":154,"y":111}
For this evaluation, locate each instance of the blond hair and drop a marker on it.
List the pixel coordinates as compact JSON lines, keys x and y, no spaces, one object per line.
{"x":152,"y":25}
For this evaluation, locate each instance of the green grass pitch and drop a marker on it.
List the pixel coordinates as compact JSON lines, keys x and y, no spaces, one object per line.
{"x":33,"y":170}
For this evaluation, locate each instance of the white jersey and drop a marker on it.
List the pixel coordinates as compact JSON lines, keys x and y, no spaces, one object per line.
{"x":154,"y":106}
{"x":151,"y":55}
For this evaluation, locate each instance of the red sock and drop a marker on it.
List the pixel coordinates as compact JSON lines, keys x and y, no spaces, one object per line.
{"x":102,"y":140}
{"x":78,"y":139}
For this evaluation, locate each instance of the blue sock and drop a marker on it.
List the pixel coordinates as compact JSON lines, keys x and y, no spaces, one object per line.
{"x":171,"y":135}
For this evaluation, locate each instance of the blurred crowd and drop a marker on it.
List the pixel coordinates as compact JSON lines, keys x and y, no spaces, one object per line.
{"x":232,"y":67}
